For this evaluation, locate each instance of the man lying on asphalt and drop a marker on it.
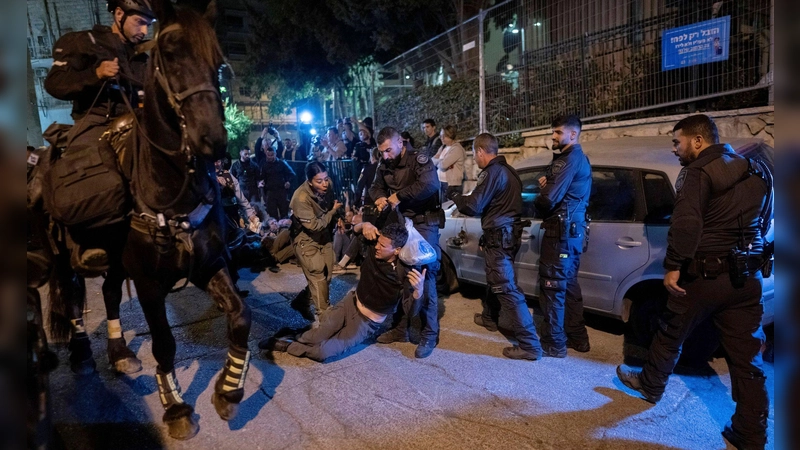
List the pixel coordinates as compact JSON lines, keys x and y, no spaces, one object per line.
{"x":385,"y":280}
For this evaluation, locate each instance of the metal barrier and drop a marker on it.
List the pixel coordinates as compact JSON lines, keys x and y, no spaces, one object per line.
{"x":517,"y":65}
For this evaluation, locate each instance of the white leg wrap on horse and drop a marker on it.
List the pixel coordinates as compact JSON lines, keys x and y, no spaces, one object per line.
{"x":114,"y":329}
{"x":77,"y":326}
{"x":236,"y":369}
{"x":168,"y":389}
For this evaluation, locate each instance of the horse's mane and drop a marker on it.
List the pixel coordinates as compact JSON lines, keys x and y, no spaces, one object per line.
{"x":202,"y":35}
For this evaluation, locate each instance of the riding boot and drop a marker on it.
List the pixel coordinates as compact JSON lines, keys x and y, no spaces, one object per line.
{"x":81,"y":360}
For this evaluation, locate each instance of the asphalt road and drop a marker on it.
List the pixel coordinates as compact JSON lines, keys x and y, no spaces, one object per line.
{"x":465,"y":395}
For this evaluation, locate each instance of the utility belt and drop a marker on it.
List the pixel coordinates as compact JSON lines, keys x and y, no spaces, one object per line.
{"x":737,"y":264}
{"x":435,"y":217}
{"x":505,"y":237}
{"x":559,"y":227}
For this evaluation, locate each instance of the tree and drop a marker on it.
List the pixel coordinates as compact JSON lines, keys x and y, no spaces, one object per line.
{"x":237,"y":124}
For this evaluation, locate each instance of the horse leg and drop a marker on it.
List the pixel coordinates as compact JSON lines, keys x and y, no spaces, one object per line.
{"x":178,"y":415}
{"x":229,"y":387}
{"x":121,"y":358}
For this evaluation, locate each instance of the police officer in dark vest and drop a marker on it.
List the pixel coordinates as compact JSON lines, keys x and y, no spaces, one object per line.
{"x":497,"y":199}
{"x":715,"y":261}
{"x":248,"y":172}
{"x":407,"y":180}
{"x":277,"y":176}
{"x":101,"y":71}
{"x":561,"y":203}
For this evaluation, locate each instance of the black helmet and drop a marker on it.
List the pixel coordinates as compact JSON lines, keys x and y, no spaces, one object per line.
{"x":141,"y":7}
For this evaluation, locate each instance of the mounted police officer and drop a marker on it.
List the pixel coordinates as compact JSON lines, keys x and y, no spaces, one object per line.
{"x":715,"y":259}
{"x":562,"y":203}
{"x":497,"y":199}
{"x":407,"y":181}
{"x":101,"y":71}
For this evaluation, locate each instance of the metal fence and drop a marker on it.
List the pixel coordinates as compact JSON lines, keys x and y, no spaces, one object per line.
{"x":344,"y":174}
{"x":518,"y":64}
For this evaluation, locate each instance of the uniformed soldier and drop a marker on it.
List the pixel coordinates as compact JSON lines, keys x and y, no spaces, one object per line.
{"x":497,"y":199}
{"x":97,"y":70}
{"x":561,"y":204}
{"x":408,"y":181}
{"x":715,"y":258}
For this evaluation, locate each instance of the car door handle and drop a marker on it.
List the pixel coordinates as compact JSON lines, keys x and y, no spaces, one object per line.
{"x":628,"y":242}
{"x":526,"y":236}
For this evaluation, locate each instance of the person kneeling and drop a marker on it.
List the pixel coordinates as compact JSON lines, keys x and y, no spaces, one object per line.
{"x":385,"y":281}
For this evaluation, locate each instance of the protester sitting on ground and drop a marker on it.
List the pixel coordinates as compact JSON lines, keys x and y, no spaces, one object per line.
{"x":353,"y":255}
{"x":343,"y":235}
{"x":385,"y":281}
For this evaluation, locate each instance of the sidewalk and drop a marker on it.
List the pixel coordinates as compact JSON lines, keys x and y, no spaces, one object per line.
{"x":466,"y":395}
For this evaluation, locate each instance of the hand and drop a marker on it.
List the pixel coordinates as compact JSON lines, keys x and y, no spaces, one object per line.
{"x":671,"y":283}
{"x":346,"y":195}
{"x":287,"y":185}
{"x":222,"y":181}
{"x":254,"y":219}
{"x":417,"y":281}
{"x":107,"y":69}
{"x":394,"y":200}
{"x":261,"y":184}
{"x":542,"y":182}
{"x":370,"y":231}
{"x":336,"y":205}
{"x":381,"y":203}
{"x":264,"y":133}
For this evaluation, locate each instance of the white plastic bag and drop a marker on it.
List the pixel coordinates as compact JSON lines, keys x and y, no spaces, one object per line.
{"x":417,"y":250}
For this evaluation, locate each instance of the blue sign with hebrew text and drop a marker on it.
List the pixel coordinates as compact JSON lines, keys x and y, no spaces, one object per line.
{"x":697,"y":43}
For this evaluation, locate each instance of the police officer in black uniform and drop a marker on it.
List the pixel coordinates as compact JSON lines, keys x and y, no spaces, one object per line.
{"x":715,"y":258}
{"x":98,"y":70}
{"x":408,"y":181}
{"x":277,"y":176}
{"x":248,"y":172}
{"x":498,"y":200}
{"x":562,"y":205}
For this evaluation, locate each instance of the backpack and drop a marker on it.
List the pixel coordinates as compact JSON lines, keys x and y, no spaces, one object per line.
{"x":84,"y":188}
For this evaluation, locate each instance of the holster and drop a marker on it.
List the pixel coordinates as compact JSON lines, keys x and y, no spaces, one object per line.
{"x":556,"y":227}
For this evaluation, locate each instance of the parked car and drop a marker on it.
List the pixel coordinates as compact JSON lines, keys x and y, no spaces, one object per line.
{"x":621,"y":273}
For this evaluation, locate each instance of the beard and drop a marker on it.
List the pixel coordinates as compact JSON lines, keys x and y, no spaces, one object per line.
{"x":391,"y":163}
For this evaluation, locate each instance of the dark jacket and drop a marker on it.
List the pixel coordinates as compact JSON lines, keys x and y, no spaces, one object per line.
{"x":248,"y":174}
{"x":713,"y":192}
{"x":497,"y":198}
{"x":432,"y":145}
{"x":569,"y":184}
{"x":72,"y":77}
{"x":413,"y":179}
{"x":276,"y":174}
{"x":382,"y":284}
{"x":258,"y":150}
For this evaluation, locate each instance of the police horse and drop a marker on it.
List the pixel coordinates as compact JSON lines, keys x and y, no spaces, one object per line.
{"x":176,"y":228}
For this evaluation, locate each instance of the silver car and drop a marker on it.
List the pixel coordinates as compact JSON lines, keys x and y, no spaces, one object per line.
{"x":632,"y":198}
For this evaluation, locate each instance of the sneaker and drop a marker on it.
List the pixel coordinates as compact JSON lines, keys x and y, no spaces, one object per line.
{"x":553,"y":352}
{"x":338,"y":269}
{"x":518,"y":353}
{"x":275,"y":269}
{"x":488,"y":324}
{"x":424,"y":349}
{"x":276,"y":344}
{"x":393,"y":335}
{"x":578,"y":346}
{"x":736,"y":439}
{"x":630,"y":378}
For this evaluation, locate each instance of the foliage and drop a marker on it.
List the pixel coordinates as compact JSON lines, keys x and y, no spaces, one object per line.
{"x":238,"y":126}
{"x":453,"y":103}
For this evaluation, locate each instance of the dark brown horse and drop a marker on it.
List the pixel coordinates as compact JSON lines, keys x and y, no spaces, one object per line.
{"x":176,"y":226}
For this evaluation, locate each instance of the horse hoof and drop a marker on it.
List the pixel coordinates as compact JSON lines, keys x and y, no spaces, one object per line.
{"x":127,"y":365}
{"x":226,"y":409}
{"x":180,"y":422}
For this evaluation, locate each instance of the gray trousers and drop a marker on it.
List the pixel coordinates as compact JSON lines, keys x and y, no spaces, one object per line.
{"x":341,"y":328}
{"x":317,"y":264}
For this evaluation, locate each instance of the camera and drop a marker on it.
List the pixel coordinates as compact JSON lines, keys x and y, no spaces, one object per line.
{"x":271,"y":129}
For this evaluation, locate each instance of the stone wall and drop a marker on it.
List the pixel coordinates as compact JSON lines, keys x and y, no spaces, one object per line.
{"x":751,"y":122}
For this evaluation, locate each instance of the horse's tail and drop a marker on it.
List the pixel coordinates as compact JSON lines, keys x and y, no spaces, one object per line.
{"x":66,"y":296}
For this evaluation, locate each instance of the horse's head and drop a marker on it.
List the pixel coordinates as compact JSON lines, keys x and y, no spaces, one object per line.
{"x":185,"y":62}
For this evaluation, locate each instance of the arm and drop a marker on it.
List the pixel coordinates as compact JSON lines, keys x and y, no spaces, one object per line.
{"x":377,"y":187}
{"x":556,"y":186}
{"x":304,"y":211}
{"x":242,"y":200}
{"x":426,"y":185}
{"x":456,"y":152}
{"x":474,"y":203}
{"x":686,"y":226}
{"x":73,"y":71}
{"x":288,"y":172}
{"x":415,"y":284}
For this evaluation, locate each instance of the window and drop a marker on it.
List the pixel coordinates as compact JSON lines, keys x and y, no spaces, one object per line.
{"x":236,"y":48}
{"x":244,"y":91}
{"x":234,"y":22}
{"x":659,"y":198}
{"x":530,"y":189}
{"x":613,"y":197}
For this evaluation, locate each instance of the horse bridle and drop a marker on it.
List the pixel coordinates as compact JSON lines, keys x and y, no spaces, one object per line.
{"x":176,"y":99}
